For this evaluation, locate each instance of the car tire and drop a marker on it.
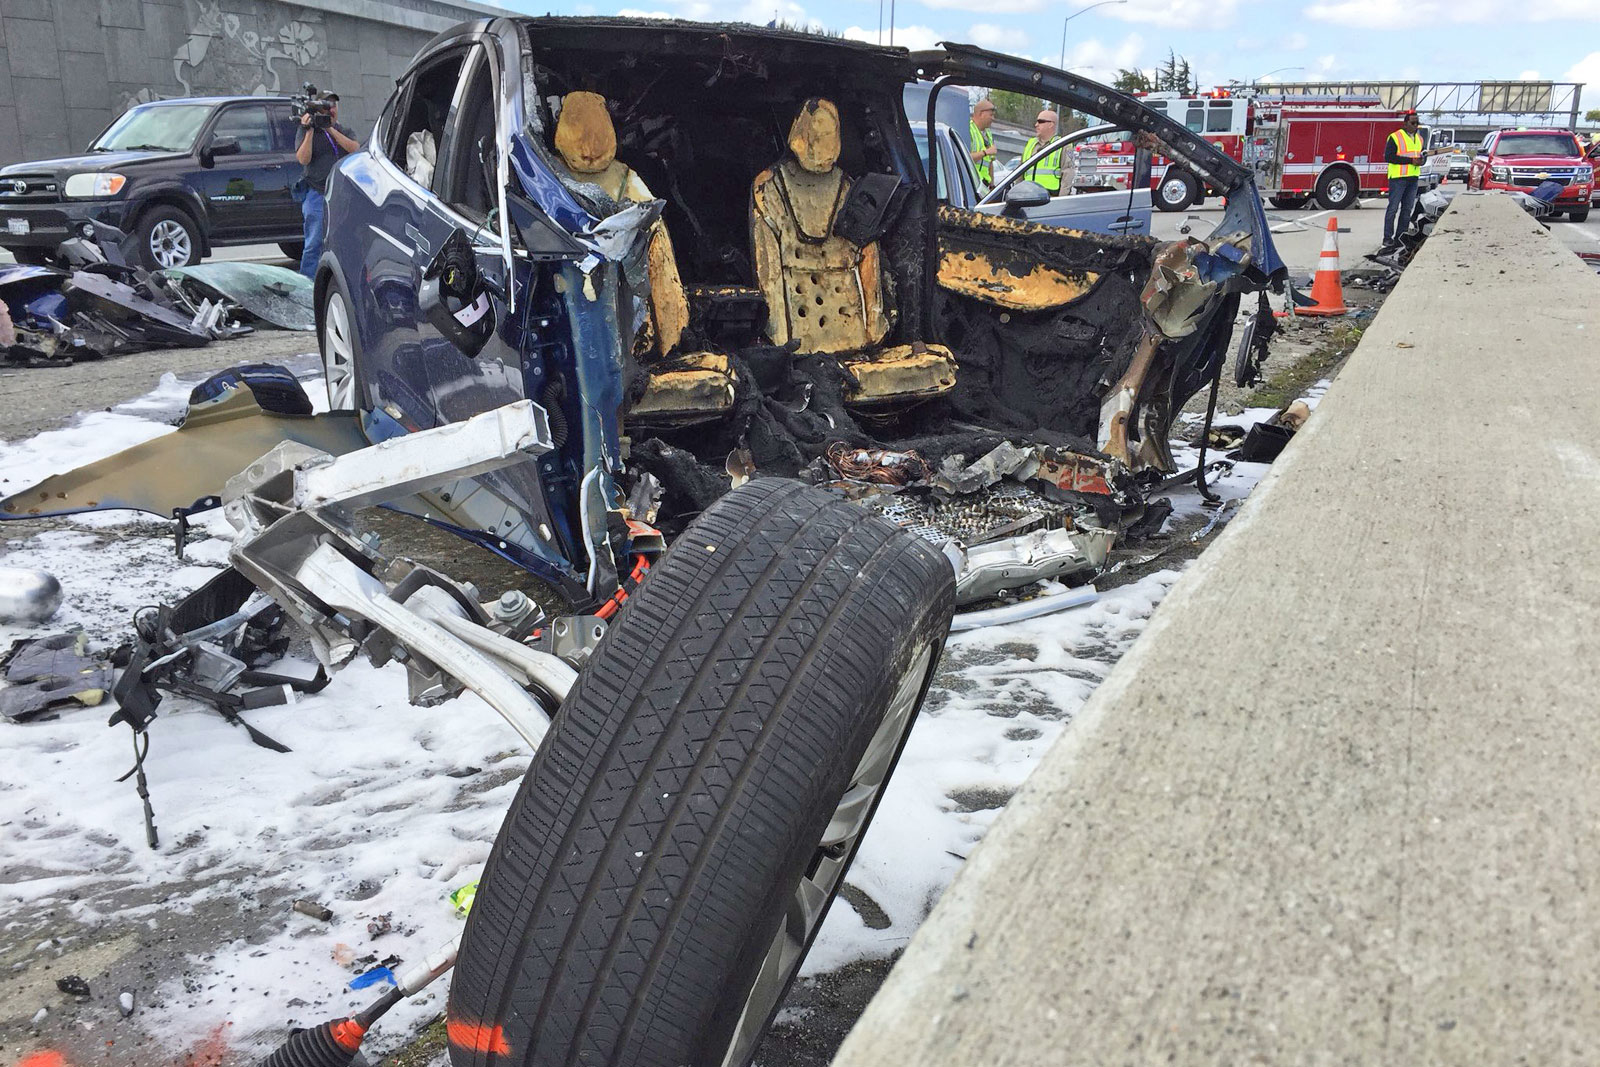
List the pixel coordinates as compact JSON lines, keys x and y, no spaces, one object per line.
{"x":292,"y":249}
{"x":1177,"y":191}
{"x":1288,"y":203}
{"x":340,"y":345}
{"x":32,"y":257}
{"x":677,"y":840}
{"x":165,"y":236}
{"x":1337,"y":189}
{"x":1580,"y":215}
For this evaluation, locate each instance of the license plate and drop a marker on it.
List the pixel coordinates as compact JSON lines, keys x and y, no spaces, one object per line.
{"x":17,"y":226}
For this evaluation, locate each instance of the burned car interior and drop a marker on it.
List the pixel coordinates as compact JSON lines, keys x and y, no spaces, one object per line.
{"x":729,"y":265}
{"x":789,"y":310}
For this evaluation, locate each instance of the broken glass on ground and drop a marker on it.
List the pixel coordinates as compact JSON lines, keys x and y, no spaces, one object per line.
{"x":275,"y":296}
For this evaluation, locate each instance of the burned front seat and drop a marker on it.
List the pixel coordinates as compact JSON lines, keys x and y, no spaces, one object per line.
{"x":680,"y":387}
{"x":824,"y":291}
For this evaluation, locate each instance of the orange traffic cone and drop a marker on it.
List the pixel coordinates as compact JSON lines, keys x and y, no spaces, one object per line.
{"x":1327,"y":292}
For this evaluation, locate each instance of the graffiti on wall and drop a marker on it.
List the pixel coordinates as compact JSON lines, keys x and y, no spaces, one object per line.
{"x":226,"y":53}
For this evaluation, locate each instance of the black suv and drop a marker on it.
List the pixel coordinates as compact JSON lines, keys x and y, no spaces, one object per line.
{"x":179,"y":176}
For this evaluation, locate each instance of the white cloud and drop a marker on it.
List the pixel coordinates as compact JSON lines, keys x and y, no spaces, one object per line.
{"x":1296,"y":42}
{"x":915,"y":38}
{"x":1587,"y":71}
{"x":999,"y":38}
{"x":1184,"y":14}
{"x":1387,"y":14}
{"x":1529,"y":76}
{"x":1326,"y":65}
{"x":1100,"y":61}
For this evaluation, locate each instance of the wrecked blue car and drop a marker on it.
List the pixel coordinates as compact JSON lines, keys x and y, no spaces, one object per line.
{"x":667,"y":314}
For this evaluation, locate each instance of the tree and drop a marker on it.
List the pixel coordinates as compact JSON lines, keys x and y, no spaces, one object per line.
{"x":1173,"y":75}
{"x":1133,"y":81}
{"x":1015,"y":108}
{"x":1176,"y":76}
{"x":1592,"y":115}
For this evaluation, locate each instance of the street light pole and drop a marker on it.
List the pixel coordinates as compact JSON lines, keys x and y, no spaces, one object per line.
{"x":1063,"y":64}
{"x":1074,"y":15}
{"x":1270,"y":73}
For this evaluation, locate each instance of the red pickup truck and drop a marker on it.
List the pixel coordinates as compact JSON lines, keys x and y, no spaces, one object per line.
{"x":1526,"y":159}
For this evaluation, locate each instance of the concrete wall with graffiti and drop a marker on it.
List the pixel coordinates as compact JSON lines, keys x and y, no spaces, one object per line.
{"x":68,"y":67}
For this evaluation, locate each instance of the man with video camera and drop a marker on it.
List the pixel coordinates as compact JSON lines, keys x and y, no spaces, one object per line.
{"x":323,"y":142}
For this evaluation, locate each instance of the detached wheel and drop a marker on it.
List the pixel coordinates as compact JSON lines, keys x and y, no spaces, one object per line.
{"x":1288,"y":203}
{"x":1337,"y":189}
{"x":680,"y":834}
{"x":166,"y":236}
{"x":341,"y":348}
{"x":1178,"y":189}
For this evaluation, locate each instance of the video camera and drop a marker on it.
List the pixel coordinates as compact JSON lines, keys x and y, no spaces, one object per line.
{"x":309,"y":101}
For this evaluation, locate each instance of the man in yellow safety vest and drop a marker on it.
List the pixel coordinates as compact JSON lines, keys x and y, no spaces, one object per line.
{"x":980,"y":142}
{"x":1047,"y":172}
{"x":1403,"y":153}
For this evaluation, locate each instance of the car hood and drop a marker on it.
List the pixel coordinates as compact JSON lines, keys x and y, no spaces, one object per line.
{"x":93,"y":161}
{"x":1537,"y":161}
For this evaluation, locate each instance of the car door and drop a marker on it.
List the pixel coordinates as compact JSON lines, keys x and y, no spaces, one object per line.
{"x":242,"y":190}
{"x":280,"y":210}
{"x":1115,"y":211}
{"x":404,"y":229}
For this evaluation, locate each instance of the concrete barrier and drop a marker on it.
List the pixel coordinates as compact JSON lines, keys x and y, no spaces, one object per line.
{"x":1340,"y":804}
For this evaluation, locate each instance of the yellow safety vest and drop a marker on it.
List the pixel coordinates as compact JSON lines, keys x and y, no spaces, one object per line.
{"x":1409,"y":144}
{"x":977,"y":139}
{"x":1047,"y":172}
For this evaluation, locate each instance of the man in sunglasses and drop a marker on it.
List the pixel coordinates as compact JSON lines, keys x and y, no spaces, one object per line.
{"x":1047,"y":171}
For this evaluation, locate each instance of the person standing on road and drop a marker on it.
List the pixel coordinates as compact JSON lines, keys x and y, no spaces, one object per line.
{"x":980,"y":142}
{"x":320,"y":147}
{"x":1403,"y":153}
{"x":1047,"y":172}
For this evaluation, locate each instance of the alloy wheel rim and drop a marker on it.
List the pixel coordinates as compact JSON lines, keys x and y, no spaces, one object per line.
{"x":1338,"y":189}
{"x":169,"y":244}
{"x":340,"y":367}
{"x":830,"y":859}
{"x":1172,"y":191}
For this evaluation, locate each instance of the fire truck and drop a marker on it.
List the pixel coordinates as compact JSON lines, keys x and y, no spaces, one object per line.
{"x":1301,"y":147}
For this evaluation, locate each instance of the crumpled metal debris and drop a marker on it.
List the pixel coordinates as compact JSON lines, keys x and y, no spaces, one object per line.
{"x":955,"y":475}
{"x":46,"y":673}
{"x":274,"y":295}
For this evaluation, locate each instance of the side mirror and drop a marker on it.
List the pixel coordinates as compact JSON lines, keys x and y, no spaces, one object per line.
{"x":219,"y":146}
{"x":1025,"y":194}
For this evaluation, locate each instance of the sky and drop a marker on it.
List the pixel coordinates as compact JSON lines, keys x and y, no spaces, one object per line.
{"x":1244,"y":40}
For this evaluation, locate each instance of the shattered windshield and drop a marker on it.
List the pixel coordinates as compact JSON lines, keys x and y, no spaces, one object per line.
{"x":1537,"y":144}
{"x":155,"y":128}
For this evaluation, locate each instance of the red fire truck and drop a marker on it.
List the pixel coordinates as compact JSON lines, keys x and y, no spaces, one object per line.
{"x":1300,"y":147}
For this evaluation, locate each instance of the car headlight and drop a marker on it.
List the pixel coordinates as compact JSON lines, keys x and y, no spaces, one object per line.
{"x":1583,"y":174}
{"x":94,"y":186}
{"x":1500,"y":174}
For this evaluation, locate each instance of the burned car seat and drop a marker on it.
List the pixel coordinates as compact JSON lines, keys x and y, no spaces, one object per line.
{"x":682,"y":387}
{"x":825,"y":292}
